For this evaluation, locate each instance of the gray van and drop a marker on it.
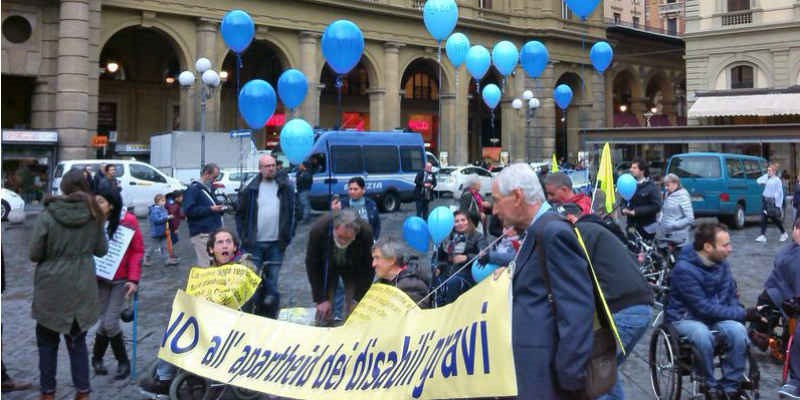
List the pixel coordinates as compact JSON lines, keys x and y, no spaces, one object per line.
{"x":721,"y":185}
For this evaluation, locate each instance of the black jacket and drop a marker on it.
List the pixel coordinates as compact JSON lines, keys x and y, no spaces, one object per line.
{"x":247,"y":212}
{"x":646,"y":203}
{"x":419,"y":183}
{"x":304,"y":179}
{"x":411,"y":284}
{"x":469,"y":245}
{"x":616,"y":268}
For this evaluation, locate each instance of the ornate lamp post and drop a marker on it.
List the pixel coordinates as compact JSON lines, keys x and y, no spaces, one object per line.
{"x":210,"y":80}
{"x":530,"y":104}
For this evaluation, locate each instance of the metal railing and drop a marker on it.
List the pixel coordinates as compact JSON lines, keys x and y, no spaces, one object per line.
{"x":671,"y":8}
{"x":737,"y":18}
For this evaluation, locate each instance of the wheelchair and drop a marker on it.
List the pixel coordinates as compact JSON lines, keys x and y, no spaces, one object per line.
{"x":672,"y":359}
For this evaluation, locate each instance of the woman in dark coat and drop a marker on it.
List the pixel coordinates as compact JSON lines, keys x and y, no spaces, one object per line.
{"x":463,"y":244}
{"x":392,"y":267}
{"x":113,"y":293}
{"x":66,"y":237}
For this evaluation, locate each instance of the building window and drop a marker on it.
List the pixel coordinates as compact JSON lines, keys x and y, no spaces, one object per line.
{"x":487,"y":4}
{"x":672,"y":26}
{"x":617,"y":18}
{"x":742,"y":77}
{"x":421,"y":86}
{"x":738,"y":5}
{"x":566,"y":13}
{"x":17,"y":29}
{"x":635,"y":22}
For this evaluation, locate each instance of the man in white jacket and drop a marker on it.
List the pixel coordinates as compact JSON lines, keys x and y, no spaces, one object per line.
{"x":771,"y":203}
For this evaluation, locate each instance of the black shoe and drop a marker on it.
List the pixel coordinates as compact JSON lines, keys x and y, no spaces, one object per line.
{"x":123,"y":370}
{"x":118,"y":347}
{"x":737,"y":395}
{"x":99,"y":368}
{"x":155,"y":386}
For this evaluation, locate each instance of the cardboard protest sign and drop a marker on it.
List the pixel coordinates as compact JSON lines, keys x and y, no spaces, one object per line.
{"x":230,"y":285}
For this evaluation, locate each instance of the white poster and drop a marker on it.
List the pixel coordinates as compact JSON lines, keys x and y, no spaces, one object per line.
{"x":106,"y":266}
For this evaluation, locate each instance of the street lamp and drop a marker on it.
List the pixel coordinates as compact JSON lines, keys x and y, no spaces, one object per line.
{"x":530,"y":104}
{"x":210,"y":80}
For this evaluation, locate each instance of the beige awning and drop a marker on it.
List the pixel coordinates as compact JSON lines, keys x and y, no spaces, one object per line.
{"x":759,"y":105}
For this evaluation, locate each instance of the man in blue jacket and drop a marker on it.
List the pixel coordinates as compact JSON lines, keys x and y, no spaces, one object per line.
{"x":703,"y":297}
{"x":203,"y":214}
{"x":551,"y":349}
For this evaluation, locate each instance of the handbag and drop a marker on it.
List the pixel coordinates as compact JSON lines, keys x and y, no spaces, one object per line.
{"x":770,"y":208}
{"x":601,"y":368}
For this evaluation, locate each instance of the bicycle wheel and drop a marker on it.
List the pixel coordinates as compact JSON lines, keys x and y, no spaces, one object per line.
{"x":665,"y":374}
{"x":186,"y":386}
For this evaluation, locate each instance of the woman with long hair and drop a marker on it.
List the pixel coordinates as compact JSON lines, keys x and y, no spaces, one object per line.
{"x":113,"y":293}
{"x":66,"y":237}
{"x":462,"y":245}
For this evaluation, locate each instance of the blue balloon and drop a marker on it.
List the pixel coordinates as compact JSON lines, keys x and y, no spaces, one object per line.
{"x":582,"y":8}
{"x":292,"y":88}
{"x":601,"y":56}
{"x":342,"y":45}
{"x":534,"y":57}
{"x":626,"y":186}
{"x":505,"y":57}
{"x":562,"y":94}
{"x":237,"y":30}
{"x":297,"y":137}
{"x":456,"y":47}
{"x":479,"y":272}
{"x":440,"y":223}
{"x":440,"y":17}
{"x":415,"y":233}
{"x":491,"y":95}
{"x":478,"y":61}
{"x":257,"y":103}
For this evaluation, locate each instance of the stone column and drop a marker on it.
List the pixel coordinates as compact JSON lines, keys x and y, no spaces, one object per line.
{"x":391,"y":77}
{"x":376,"y":106}
{"x":447,"y":134}
{"x":72,"y":81}
{"x":95,"y":26}
{"x":41,"y":111}
{"x":309,"y":109}
{"x":542,"y":141}
{"x":207,"y":34}
{"x":460,"y":151}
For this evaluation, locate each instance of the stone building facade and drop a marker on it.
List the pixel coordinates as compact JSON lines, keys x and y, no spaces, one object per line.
{"x":89,"y":67}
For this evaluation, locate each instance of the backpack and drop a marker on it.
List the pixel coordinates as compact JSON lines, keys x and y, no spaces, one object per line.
{"x":601,"y":369}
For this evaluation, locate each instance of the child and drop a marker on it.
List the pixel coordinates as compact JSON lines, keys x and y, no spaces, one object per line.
{"x":158,"y":218}
{"x":173,"y":206}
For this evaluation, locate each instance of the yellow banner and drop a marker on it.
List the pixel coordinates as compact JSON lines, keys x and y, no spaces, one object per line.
{"x":390,"y":348}
{"x":230,"y":285}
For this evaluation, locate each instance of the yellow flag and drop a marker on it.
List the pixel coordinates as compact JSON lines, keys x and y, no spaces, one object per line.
{"x":605,"y":175}
{"x":554,"y":164}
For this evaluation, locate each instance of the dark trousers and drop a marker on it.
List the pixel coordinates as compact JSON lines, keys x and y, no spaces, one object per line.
{"x":794,"y":358}
{"x":776,"y":220}
{"x":47,"y":341}
{"x":423,"y":208}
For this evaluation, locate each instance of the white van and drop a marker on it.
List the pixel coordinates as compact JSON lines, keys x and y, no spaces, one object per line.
{"x":140,"y":182}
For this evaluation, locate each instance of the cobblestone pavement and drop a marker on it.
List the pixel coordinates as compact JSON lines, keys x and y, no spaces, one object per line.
{"x":751,"y":264}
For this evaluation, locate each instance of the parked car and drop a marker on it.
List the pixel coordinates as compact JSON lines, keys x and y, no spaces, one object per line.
{"x":388,"y":162}
{"x":13,"y":206}
{"x":230,"y":180}
{"x":450,"y":180}
{"x":140,"y":182}
{"x":721,"y":185}
{"x":431,"y":158}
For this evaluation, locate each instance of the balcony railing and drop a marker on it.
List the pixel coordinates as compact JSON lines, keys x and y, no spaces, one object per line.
{"x":647,"y":28}
{"x":418,"y":4}
{"x":737,"y":18}
{"x":671,"y":8}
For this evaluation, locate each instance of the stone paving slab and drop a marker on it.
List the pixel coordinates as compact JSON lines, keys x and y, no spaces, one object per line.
{"x":751,"y":264}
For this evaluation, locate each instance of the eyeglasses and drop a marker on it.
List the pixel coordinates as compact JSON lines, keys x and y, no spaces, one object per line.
{"x":267,"y":165}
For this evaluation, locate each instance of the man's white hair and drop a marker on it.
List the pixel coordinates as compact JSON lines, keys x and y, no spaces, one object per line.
{"x":520,"y":176}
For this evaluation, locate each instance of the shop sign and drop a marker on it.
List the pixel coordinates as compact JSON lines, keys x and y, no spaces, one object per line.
{"x":12,"y":135}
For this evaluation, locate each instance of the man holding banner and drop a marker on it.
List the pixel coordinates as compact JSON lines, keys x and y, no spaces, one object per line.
{"x":550,"y":351}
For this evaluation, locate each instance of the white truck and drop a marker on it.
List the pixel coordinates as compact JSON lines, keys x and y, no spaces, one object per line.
{"x":177,"y":153}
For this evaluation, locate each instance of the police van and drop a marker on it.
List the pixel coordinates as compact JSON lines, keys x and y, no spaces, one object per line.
{"x":388,"y":162}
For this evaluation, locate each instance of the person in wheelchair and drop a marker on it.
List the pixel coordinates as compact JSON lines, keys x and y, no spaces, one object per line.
{"x":223,"y":247}
{"x":702,"y":299}
{"x":463,"y":244}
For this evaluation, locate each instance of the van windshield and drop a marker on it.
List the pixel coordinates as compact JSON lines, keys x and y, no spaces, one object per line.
{"x":695,"y":167}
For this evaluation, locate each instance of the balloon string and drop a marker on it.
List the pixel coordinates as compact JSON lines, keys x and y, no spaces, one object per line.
{"x":339,"y":85}
{"x":238,"y":68}
{"x":456,"y":139}
{"x":439,"y":95}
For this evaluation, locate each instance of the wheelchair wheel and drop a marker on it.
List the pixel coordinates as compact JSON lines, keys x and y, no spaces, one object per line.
{"x":665,"y":372}
{"x":244,"y":394}
{"x":752,"y":378}
{"x":186,"y":386}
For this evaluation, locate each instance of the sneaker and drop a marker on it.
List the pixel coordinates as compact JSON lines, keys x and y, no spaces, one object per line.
{"x":789,"y":391}
{"x":761,"y":239}
{"x":146,"y":262}
{"x":173,"y":261}
{"x":784,"y":237}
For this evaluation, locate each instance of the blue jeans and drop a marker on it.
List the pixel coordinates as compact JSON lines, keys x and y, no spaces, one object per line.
{"x":305,"y":205}
{"x":47,"y":341}
{"x":733,"y":363}
{"x":271,"y":254}
{"x":632,"y":322}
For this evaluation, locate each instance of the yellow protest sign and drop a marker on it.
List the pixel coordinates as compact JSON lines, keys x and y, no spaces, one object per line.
{"x":230,"y":285}
{"x":462,"y":350}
